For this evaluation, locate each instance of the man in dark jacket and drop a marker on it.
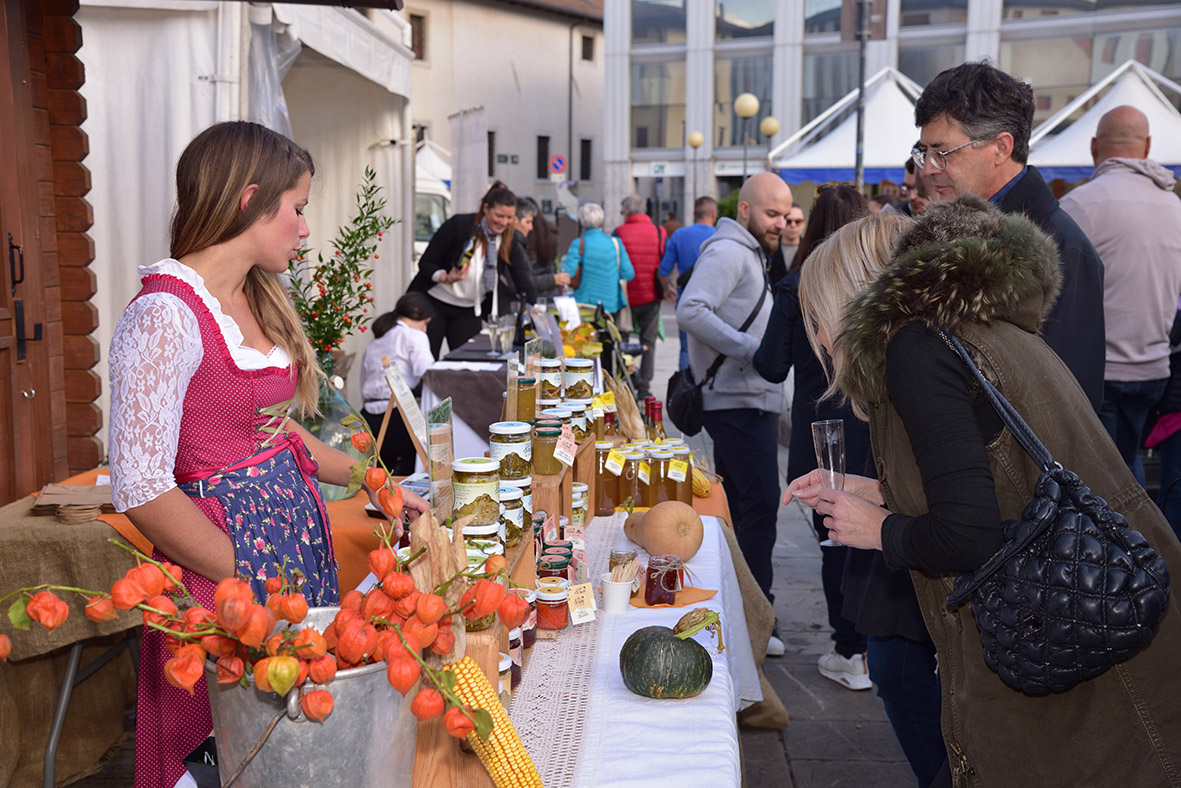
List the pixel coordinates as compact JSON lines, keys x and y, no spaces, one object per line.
{"x":975,"y":121}
{"x":644,"y":242}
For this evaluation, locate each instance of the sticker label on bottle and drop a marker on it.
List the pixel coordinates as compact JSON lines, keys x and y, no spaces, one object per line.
{"x":645,"y":472}
{"x":678,"y":470}
{"x":498,"y":451}
{"x":608,"y":398}
{"x":614,"y":462}
{"x":597,"y":408}
{"x":566,"y":449}
{"x":581,"y":602}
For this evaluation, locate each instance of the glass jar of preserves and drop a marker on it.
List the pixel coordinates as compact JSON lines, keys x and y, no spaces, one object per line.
{"x":475,"y":488}
{"x":596,"y":415}
{"x":505,"y":668}
{"x":552,"y":610}
{"x":516,"y":650}
{"x":578,"y":381}
{"x":546,"y":404}
{"x":511,"y":445}
{"x":546,"y":423}
{"x":620,"y":557}
{"x":629,"y":481}
{"x":681,"y":471}
{"x":606,"y":480}
{"x":577,"y":488}
{"x":663,"y":580}
{"x":559,"y":413}
{"x":553,"y":566}
{"x":559,"y":544}
{"x":544,"y":461}
{"x":482,"y":537}
{"x":526,"y":399}
{"x":577,"y":418}
{"x":578,"y":510}
{"x":525,"y":485}
{"x":560,"y":582}
{"x":661,"y":486}
{"x":551,"y":378}
{"x":513,"y":516}
{"x":529,"y":625}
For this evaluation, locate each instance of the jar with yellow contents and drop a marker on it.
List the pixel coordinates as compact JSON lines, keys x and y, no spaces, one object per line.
{"x":681,"y":471}
{"x":475,"y":487}
{"x":629,"y":482}
{"x":577,"y":419}
{"x":661,"y":487}
{"x":544,"y":461}
{"x":608,"y":467}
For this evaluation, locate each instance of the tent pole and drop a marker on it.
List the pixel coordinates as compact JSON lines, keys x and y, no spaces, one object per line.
{"x":862,"y":36}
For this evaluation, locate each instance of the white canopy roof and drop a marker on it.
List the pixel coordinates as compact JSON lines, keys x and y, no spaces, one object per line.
{"x":826,"y":148}
{"x":433,"y":161}
{"x":1067,"y":154}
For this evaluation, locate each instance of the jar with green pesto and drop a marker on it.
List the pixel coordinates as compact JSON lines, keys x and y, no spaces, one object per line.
{"x":578,"y":380}
{"x":484,"y":537}
{"x":510,"y":444}
{"x":525,"y":485}
{"x":544,"y":461}
{"x":475,"y":488}
{"x":513,"y":515}
{"x":551,"y":378}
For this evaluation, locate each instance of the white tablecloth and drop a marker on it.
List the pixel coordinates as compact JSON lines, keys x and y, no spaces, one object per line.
{"x":626,"y":740}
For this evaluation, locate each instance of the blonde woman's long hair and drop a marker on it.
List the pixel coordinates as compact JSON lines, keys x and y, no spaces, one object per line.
{"x":834,"y":273}
{"x":211,"y":175}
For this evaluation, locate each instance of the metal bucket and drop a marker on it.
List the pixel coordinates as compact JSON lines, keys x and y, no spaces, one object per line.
{"x":368,"y":740}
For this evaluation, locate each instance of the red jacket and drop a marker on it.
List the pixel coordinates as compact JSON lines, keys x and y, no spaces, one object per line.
{"x":644,"y":242}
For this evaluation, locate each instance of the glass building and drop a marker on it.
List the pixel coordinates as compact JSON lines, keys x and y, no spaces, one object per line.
{"x":674,"y":67}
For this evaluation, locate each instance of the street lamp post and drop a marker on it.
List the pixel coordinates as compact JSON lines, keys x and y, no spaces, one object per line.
{"x":746,"y":106}
{"x":696,"y":139}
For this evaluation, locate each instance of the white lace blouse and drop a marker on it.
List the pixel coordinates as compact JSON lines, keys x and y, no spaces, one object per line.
{"x":154,"y":354}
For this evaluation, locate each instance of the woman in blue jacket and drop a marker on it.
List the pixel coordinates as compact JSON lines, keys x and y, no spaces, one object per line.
{"x":596,"y":262}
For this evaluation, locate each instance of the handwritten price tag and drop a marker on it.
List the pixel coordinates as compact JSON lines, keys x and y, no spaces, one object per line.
{"x":678,"y":470}
{"x":581,"y":603}
{"x":645,"y":472}
{"x":580,"y":565}
{"x":549,"y":528}
{"x":608,"y":398}
{"x":575,"y":533}
{"x":566,"y":448}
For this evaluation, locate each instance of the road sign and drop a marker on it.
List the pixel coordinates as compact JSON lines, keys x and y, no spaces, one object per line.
{"x":659,"y":168}
{"x":557,"y":163}
{"x":502,"y":158}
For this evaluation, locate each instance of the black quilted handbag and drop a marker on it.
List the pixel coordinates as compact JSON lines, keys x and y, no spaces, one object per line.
{"x":1073,"y":590}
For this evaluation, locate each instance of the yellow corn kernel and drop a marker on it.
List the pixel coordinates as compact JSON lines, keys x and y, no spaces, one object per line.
{"x":503,"y":754}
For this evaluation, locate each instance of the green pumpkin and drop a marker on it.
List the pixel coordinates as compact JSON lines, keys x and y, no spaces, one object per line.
{"x":657,"y":664}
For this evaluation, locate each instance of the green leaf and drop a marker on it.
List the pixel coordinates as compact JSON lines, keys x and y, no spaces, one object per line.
{"x":448,"y":678}
{"x":356,"y":476}
{"x":484,"y":723}
{"x":351,"y":420}
{"x":17,"y":614}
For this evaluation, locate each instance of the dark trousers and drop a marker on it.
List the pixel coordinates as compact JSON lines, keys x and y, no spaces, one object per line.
{"x":847,"y":641}
{"x":746,"y":456}
{"x":1125,"y":410}
{"x":457,"y":324}
{"x":1169,"y":497}
{"x":647,"y":320}
{"x":397,"y":450}
{"x":904,"y":672}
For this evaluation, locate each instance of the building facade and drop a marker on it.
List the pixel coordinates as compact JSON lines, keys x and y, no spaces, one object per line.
{"x":674,"y":67}
{"x":536,"y":69}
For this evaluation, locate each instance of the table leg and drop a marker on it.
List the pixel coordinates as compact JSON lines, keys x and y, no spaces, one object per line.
{"x":59,"y":717}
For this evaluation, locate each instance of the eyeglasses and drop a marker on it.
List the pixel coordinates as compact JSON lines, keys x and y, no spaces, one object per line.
{"x":904,"y":189}
{"x":795,"y":221}
{"x":938,"y":157}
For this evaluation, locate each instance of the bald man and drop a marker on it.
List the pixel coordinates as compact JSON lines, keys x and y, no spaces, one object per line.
{"x":1133,"y":217}
{"x":724,"y":311}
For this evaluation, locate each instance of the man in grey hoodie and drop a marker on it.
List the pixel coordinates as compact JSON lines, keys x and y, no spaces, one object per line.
{"x":1133,"y":218}
{"x":741,"y":408}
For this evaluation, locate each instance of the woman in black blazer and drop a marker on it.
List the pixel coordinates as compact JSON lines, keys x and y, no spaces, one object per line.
{"x":453,"y":271}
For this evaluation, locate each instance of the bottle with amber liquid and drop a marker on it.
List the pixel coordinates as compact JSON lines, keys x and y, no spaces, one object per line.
{"x":606,"y":482}
{"x":656,"y":431}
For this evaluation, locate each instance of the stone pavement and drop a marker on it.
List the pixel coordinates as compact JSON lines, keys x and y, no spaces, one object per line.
{"x":836,"y":737}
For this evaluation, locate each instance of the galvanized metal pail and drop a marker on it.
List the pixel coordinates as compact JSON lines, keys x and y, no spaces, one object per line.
{"x":367,"y":741}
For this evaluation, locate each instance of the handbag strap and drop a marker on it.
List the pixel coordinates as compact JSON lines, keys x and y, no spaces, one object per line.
{"x":1009,"y":415}
{"x":714,"y":367}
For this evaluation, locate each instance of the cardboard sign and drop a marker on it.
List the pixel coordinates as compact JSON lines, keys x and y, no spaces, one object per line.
{"x":575,"y":533}
{"x":566,"y":449}
{"x":581,"y":602}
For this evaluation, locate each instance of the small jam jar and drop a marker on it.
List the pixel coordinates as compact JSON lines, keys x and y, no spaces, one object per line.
{"x":525,"y":485}
{"x":516,"y":651}
{"x":552,"y":610}
{"x":514,"y":515}
{"x":526,"y":399}
{"x":511,"y":445}
{"x":578,"y":510}
{"x":578,"y":380}
{"x":620,"y":557}
{"x":544,"y":461}
{"x":577,"y":418}
{"x":663,"y":580}
{"x":506,"y":680}
{"x":560,"y":413}
{"x":563,"y":521}
{"x":551,"y":379}
{"x":553,"y":566}
{"x":479,"y":537}
{"x":529,"y":625}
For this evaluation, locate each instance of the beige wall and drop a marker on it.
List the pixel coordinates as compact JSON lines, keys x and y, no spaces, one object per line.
{"x":514,"y":62}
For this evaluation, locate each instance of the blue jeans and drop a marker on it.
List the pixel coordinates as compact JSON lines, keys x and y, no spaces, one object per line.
{"x":1169,"y":498}
{"x":904,"y":672}
{"x":1126,"y":404}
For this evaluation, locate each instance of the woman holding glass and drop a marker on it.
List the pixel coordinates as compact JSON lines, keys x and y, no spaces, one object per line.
{"x":951,"y":474}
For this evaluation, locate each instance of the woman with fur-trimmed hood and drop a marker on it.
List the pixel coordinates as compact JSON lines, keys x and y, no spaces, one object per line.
{"x":950,"y":474}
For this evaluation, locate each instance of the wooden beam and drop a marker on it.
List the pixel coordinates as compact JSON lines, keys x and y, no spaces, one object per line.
{"x":74,"y":214}
{"x":65,"y":71}
{"x":83,"y":419}
{"x":61,"y":33}
{"x":81,"y":352}
{"x":69,"y":143}
{"x":75,"y":249}
{"x":79,"y":318}
{"x":66,"y":107}
{"x":70,"y":178}
{"x":82,"y":386}
{"x":78,"y":283}
{"x":84,"y":453}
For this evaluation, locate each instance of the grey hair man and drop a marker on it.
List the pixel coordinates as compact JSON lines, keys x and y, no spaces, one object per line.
{"x":1131,"y":214}
{"x":975,"y":123}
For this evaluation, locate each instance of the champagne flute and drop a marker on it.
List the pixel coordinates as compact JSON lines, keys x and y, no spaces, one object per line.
{"x":828,"y":438}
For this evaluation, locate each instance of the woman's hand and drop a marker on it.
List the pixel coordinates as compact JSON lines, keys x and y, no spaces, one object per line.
{"x":561,"y":279}
{"x":454,"y":275}
{"x":413,"y":505}
{"x":852,"y":521}
{"x":807,"y":488}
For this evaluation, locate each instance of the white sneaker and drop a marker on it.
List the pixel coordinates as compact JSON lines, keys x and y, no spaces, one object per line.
{"x":851,"y":672}
{"x":775,"y":647}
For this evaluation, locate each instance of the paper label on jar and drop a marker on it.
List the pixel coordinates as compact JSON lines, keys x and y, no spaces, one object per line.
{"x":608,"y":398}
{"x":574,"y":531}
{"x":524,"y":450}
{"x":566,"y":449}
{"x":614,"y":462}
{"x":516,"y":515}
{"x":527,"y":500}
{"x":552,"y":377}
{"x":597,"y":408}
{"x":581,"y":602}
{"x":645,"y":471}
{"x":483,"y":498}
{"x":678,"y":470}
{"x":639,"y":579}
{"x":580,"y":421}
{"x":577,"y":544}
{"x":549,"y":528}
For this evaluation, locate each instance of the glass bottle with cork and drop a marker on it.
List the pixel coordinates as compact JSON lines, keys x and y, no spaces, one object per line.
{"x":656,"y":431}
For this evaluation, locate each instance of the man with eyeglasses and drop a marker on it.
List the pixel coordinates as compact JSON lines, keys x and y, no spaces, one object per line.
{"x":789,"y":244}
{"x":975,"y":123}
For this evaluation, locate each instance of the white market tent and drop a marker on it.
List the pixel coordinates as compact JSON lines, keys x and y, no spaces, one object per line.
{"x":826,"y":148}
{"x":433,"y":161}
{"x":1067,"y":154}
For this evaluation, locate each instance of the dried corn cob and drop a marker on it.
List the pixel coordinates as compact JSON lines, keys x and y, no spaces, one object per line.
{"x":701,"y":485}
{"x":503,"y":754}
